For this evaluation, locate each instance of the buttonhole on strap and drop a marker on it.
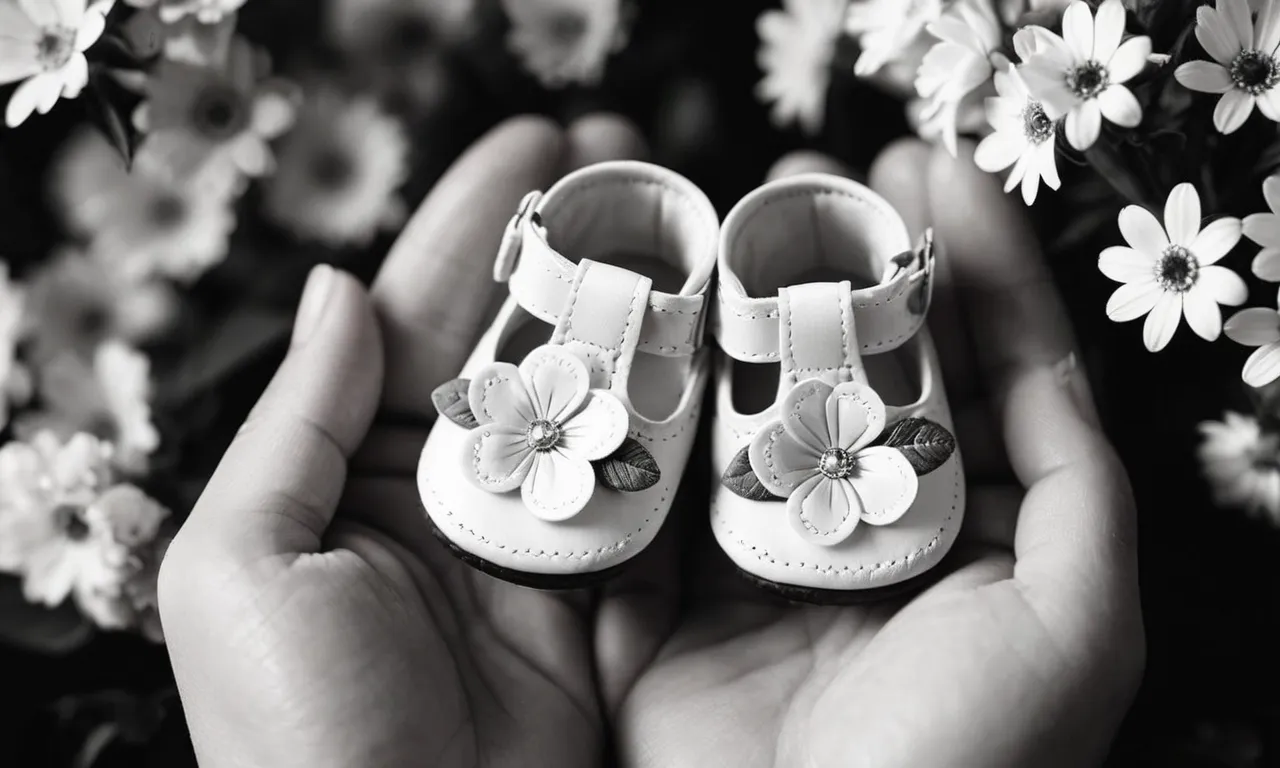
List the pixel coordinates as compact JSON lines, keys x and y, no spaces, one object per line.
{"x":512,"y":237}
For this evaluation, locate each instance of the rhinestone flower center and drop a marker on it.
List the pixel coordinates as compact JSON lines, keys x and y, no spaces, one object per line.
{"x":836,"y":463}
{"x":1255,"y":71}
{"x":1088,"y":80}
{"x":1177,"y":269}
{"x":1036,"y":124}
{"x":542,"y":435}
{"x":55,"y":47}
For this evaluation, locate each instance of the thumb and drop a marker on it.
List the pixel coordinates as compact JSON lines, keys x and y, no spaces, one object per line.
{"x":277,"y":487}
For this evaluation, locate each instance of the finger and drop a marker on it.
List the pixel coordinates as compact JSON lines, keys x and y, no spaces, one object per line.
{"x":808,"y":161}
{"x":600,"y":137}
{"x":276,"y":489}
{"x":433,"y":292}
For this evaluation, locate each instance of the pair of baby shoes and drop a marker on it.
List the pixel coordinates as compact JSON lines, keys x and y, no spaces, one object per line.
{"x":558,"y":452}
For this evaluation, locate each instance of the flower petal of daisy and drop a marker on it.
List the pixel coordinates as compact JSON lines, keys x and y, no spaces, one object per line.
{"x":997,"y":152}
{"x":1049,"y":164}
{"x":1263,"y":228}
{"x":1031,"y":179}
{"x":1084,"y":123}
{"x":17,"y":59}
{"x":500,"y":457}
{"x":1225,"y":286}
{"x":1216,"y":36}
{"x":1202,"y":313}
{"x":28,"y":96}
{"x":885,"y":483}
{"x":90,"y":30}
{"x":1048,"y":84}
{"x":1269,"y":104}
{"x":1254,"y":327}
{"x":1142,"y":231}
{"x":1126,"y":265}
{"x":1108,"y":28}
{"x":273,"y":113}
{"x":1162,"y":322}
{"x":1133,"y":300}
{"x":824,"y":511}
{"x":1119,"y":105}
{"x":1182,"y":215}
{"x":1271,"y":191}
{"x":1077,"y":30}
{"x":1204,"y":76}
{"x":1232,"y":111}
{"x":557,"y":380}
{"x":18,"y":26}
{"x":1216,"y":240}
{"x":1266,"y":33}
{"x":1262,"y":367}
{"x":558,"y":486}
{"x":1129,"y":59}
{"x":598,"y":428}
{"x":1266,"y":265}
{"x":75,"y":76}
{"x":1236,"y":14}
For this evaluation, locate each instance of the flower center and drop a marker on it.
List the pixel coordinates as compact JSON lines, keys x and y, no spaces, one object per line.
{"x":1177,"y":269}
{"x":167,"y":211}
{"x":55,"y":47}
{"x":542,"y":435}
{"x":565,"y":29}
{"x":1255,"y":72}
{"x":219,"y":112}
{"x":407,"y":35}
{"x":1036,"y":124}
{"x":332,"y":168}
{"x":70,"y":520}
{"x":836,"y":463}
{"x":1088,"y":80}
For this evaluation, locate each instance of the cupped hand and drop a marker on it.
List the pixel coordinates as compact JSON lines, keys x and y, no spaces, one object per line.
{"x":311,"y":618}
{"x":1029,"y":649}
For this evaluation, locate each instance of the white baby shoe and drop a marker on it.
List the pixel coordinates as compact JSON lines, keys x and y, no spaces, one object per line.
{"x":841,"y":479}
{"x":562,"y":445}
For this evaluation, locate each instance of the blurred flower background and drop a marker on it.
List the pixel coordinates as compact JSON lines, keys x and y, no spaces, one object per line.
{"x":171,"y":169}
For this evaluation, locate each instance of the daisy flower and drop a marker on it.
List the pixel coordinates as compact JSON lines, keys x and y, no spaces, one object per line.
{"x":1024,"y":138}
{"x":15,"y":381}
{"x":1241,"y":461}
{"x":1264,"y":229}
{"x":1081,"y":75}
{"x":146,"y":221}
{"x":797,"y":46}
{"x":44,"y":45}
{"x":1170,"y":271}
{"x":205,"y":11}
{"x":959,"y":63}
{"x":886,"y":28}
{"x":1245,"y":69}
{"x":1257,"y":327}
{"x":565,"y":41}
{"x":215,"y":121}
{"x":133,"y":521}
{"x":339,"y":171}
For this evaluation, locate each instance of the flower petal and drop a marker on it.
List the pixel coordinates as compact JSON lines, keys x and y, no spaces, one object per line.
{"x":780,"y":461}
{"x":17,"y":60}
{"x":90,"y":29}
{"x":1254,"y":327}
{"x":824,"y":511}
{"x":1125,"y":265}
{"x":1162,"y":321}
{"x":1048,"y":83}
{"x":1119,"y":105}
{"x":557,"y":380}
{"x":1108,"y":28}
{"x":1266,"y":32}
{"x":1266,"y":265}
{"x":598,"y":428}
{"x":1232,"y":111}
{"x":273,"y":113}
{"x":558,"y":486}
{"x":500,"y":457}
{"x":1182,"y":215}
{"x":1202,"y":313}
{"x":1130,"y":59}
{"x":75,"y":76}
{"x":1271,"y":191}
{"x":997,"y":152}
{"x":1049,"y":164}
{"x":1142,"y":231}
{"x":1133,"y":300}
{"x":27,"y":96}
{"x":1084,"y":123}
{"x":1031,"y":179}
{"x":886,"y":484}
{"x":855,"y":414}
{"x":1262,"y":228}
{"x":804,"y":414}
{"x":1077,"y":30}
{"x":1222,"y":285}
{"x":497,"y":394}
{"x":1262,"y":367}
{"x":1269,"y":104}
{"x":1204,"y":76}
{"x":1216,"y":240}
{"x":1216,"y":36}
{"x":1236,"y":14}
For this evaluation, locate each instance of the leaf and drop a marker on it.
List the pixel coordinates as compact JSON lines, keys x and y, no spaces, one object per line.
{"x":629,"y":469}
{"x":450,"y":399}
{"x":106,"y":115}
{"x":926,"y":444}
{"x":741,"y":478}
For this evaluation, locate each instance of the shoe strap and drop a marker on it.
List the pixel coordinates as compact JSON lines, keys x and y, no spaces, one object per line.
{"x":541,"y":280}
{"x":602,"y":320}
{"x":886,"y":315}
{"x":817,"y":335}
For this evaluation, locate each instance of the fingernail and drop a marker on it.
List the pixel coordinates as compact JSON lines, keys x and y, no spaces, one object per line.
{"x":314,"y":298}
{"x":1074,"y":381}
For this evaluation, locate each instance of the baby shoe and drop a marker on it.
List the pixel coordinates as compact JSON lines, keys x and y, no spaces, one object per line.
{"x":561,"y":446}
{"x":841,"y":479}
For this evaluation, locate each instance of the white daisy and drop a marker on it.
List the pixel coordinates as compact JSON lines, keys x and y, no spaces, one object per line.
{"x":1081,"y":74}
{"x":565,"y":41}
{"x":15,"y":381}
{"x":1257,"y":327}
{"x":133,"y":521}
{"x":1264,"y":229}
{"x":1241,"y":461}
{"x":339,"y":171}
{"x":43,"y":45}
{"x":1245,"y":69}
{"x":146,"y":221}
{"x":1024,"y":138}
{"x":958,"y":64}
{"x":797,"y":45}
{"x":887,"y":28}
{"x":204,"y":11}
{"x":215,"y":122}
{"x":1171,"y":270}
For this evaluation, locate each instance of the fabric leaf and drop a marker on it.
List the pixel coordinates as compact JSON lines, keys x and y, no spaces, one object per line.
{"x":741,"y":478}
{"x":629,"y":469}
{"x":450,"y":399}
{"x":926,"y":444}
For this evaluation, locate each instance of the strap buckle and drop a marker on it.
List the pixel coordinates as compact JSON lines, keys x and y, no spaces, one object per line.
{"x":513,"y":236}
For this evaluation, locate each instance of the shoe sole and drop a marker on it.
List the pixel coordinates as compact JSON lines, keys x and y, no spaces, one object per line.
{"x":846,"y":597}
{"x":549,"y":582}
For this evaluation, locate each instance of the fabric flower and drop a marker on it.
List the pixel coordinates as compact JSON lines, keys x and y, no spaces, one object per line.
{"x":15,"y":381}
{"x":959,"y":63}
{"x":339,"y":171}
{"x":819,"y":458}
{"x":1171,"y":270}
{"x":1257,"y":327}
{"x":1245,"y":69}
{"x":1081,"y":74}
{"x":797,"y":46}
{"x":143,"y":222}
{"x":565,"y":41}
{"x":1024,"y":138}
{"x":205,"y":11}
{"x":1241,"y":461}
{"x":44,"y":45}
{"x":887,"y":28}
{"x":215,"y":122}
{"x":541,"y":426}
{"x":1264,"y":229}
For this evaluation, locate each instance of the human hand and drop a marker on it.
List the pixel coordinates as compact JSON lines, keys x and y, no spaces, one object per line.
{"x":1029,"y":649}
{"x":311,"y":618}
